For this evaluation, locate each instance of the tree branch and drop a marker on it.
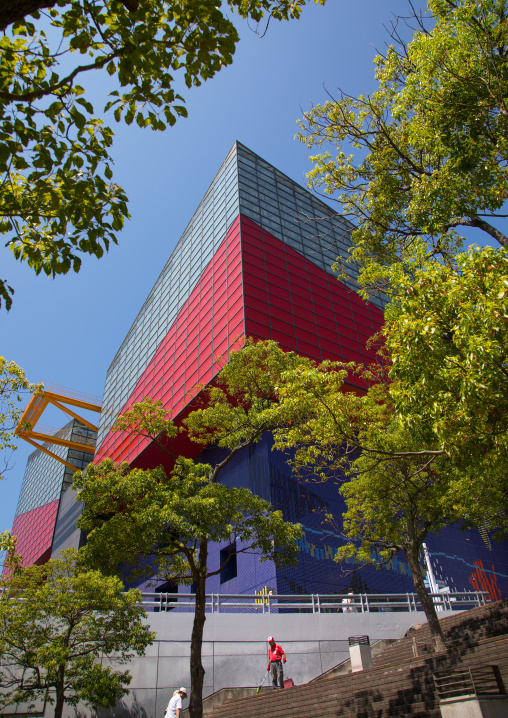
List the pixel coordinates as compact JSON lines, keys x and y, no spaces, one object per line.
{"x":68,"y":80}
{"x":475,"y":221}
{"x":11,"y":12}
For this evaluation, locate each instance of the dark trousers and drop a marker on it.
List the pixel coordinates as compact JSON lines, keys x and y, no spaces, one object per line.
{"x":277,"y":674}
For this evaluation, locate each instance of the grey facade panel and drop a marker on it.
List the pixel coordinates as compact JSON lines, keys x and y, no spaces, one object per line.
{"x":67,"y":534}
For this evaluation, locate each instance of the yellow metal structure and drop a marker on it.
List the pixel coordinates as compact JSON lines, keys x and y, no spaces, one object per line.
{"x":63,"y":399}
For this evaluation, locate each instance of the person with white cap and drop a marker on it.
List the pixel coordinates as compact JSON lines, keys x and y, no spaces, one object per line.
{"x":174,"y":709}
{"x":276,"y":657}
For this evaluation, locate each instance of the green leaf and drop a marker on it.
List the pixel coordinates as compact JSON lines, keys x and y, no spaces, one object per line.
{"x":47,"y":119}
{"x":66,"y":611}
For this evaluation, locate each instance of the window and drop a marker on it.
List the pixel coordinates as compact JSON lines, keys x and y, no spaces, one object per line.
{"x":168,"y":588}
{"x":229,"y":570}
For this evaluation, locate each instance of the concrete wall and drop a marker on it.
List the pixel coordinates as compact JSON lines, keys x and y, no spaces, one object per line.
{"x":234,"y":652}
{"x":491,"y":707}
{"x":66,"y":534}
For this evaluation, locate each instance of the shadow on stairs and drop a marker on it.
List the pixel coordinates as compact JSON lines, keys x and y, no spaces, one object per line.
{"x":400,"y":683}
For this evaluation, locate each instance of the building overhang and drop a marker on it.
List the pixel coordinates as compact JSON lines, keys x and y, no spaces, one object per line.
{"x":31,"y":431}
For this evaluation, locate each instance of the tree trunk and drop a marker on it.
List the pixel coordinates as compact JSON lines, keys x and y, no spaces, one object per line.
{"x":487,"y":227}
{"x":412,"y":554}
{"x":60,"y":695}
{"x":197,"y":672}
{"x":12,"y":11}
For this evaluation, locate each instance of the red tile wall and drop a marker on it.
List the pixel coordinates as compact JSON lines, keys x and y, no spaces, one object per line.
{"x":281,"y":295}
{"x":35,"y":532}
{"x":207,"y":328}
{"x":305,"y":309}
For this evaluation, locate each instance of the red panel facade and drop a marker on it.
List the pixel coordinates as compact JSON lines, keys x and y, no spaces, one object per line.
{"x":292,"y":301}
{"x":206,"y":329}
{"x":34,"y":530}
{"x":258,"y":286}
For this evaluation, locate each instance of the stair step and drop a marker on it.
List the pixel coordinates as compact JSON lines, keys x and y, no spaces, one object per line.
{"x":398,"y":684}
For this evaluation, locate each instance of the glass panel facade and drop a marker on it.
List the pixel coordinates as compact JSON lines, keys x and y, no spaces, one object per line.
{"x":44,"y":482}
{"x":45,"y":478}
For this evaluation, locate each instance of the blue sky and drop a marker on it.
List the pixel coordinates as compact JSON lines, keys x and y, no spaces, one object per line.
{"x":66,"y":331}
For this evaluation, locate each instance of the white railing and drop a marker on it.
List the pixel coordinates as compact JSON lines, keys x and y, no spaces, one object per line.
{"x":313,"y":603}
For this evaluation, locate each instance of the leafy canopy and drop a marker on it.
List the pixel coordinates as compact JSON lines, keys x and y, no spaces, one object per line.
{"x":55,"y":621}
{"x":169,"y":518}
{"x":13,"y":384}
{"x":436,"y":396}
{"x":398,"y":481}
{"x":58,"y":200}
{"x":394,"y":500}
{"x":426,"y":153}
{"x":447,"y":333}
{"x":172,"y":512}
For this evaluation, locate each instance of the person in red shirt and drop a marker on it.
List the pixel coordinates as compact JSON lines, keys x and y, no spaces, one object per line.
{"x":276,"y":657}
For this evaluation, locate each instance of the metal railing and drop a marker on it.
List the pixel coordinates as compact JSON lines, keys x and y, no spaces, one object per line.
{"x":478,"y":681}
{"x":313,"y":603}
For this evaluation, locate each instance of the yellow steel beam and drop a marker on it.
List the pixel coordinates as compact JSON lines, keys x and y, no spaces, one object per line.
{"x":72,"y":413}
{"x":48,"y":439}
{"x":50,"y":453}
{"x":73,"y":402}
{"x":32,"y":413}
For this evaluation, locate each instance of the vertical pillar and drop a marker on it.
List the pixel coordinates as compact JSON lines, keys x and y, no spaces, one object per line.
{"x":360,"y":653}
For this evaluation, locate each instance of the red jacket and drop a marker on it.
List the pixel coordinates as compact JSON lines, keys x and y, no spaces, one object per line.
{"x":276,"y":654}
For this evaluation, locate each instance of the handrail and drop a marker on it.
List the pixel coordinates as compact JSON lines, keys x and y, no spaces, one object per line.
{"x":478,"y":681}
{"x":313,"y":603}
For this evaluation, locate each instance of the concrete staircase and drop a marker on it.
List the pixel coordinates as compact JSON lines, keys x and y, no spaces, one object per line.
{"x":399,"y":683}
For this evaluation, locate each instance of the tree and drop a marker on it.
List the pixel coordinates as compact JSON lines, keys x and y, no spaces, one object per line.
{"x":57,"y":200}
{"x":429,"y":152}
{"x":171,"y":516}
{"x":56,"y":622}
{"x":393,"y":503}
{"x":13,"y":384}
{"x":447,"y":334}
{"x":12,"y":561}
{"x":431,"y":158}
{"x":398,"y":482}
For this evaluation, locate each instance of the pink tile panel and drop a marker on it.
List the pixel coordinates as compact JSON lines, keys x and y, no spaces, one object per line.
{"x":259,"y":287}
{"x":208,"y":327}
{"x":305,"y":309}
{"x":34,"y":530}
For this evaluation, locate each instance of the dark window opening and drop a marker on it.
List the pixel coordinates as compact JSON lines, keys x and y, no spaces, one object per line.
{"x":229,"y":570}
{"x":167,"y":588}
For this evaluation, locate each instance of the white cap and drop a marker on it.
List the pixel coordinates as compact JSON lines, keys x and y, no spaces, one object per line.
{"x":182,"y":690}
{"x":269,"y":639}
